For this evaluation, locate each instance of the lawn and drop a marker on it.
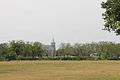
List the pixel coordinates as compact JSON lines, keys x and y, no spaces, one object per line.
{"x":60,"y":70}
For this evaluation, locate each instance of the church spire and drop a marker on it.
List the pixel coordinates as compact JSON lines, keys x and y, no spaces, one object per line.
{"x":53,"y":39}
{"x":53,"y":46}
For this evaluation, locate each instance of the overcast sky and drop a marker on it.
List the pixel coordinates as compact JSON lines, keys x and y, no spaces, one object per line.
{"x":69,"y":21}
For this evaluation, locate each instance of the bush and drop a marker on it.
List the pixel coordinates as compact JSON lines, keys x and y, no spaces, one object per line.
{"x":92,"y":58}
{"x":113,"y":58}
{"x":21,"y":58}
{"x":78,"y":58}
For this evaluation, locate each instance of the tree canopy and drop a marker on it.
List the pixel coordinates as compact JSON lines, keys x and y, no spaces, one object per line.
{"x":111,"y":15}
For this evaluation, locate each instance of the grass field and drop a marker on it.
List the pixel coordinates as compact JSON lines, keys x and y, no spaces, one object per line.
{"x":60,"y":70}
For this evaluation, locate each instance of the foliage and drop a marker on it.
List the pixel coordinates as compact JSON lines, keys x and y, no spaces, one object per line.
{"x":20,"y":50}
{"x":11,"y":56}
{"x":112,"y":15}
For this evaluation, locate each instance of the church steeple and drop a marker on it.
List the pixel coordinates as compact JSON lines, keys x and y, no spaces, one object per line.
{"x":53,"y":39}
{"x":53,"y":45}
{"x":53,"y":42}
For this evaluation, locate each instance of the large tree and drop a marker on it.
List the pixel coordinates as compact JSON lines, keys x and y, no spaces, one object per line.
{"x":111,"y":15}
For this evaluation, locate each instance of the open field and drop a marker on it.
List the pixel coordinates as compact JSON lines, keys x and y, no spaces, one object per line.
{"x":60,"y":70}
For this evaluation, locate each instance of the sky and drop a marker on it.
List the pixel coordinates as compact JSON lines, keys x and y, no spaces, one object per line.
{"x":68,"y":21}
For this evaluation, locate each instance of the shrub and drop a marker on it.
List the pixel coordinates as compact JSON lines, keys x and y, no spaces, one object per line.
{"x":113,"y":58}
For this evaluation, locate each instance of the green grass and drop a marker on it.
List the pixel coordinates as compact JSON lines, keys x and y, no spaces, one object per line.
{"x":8,"y":71}
{"x":60,"y":70}
{"x":3,"y":72}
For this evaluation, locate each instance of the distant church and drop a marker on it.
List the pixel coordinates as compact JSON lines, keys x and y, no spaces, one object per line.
{"x":50,"y":49}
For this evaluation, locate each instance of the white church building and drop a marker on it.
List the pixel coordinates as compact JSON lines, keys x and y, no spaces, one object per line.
{"x":50,"y":50}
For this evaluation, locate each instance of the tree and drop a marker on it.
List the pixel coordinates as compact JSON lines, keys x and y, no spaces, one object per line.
{"x":61,"y":50}
{"x":68,"y":50}
{"x":4,"y":49}
{"x":77,"y":49}
{"x":112,"y":15}
{"x":27,"y":50}
{"x":11,"y":56}
{"x":18,"y":47}
{"x":37,"y":49}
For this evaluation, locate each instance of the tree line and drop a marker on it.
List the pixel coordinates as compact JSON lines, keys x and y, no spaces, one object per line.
{"x":21,"y":50}
{"x":101,"y":50}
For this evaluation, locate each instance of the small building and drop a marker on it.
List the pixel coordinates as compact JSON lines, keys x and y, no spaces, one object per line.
{"x":94,"y":55}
